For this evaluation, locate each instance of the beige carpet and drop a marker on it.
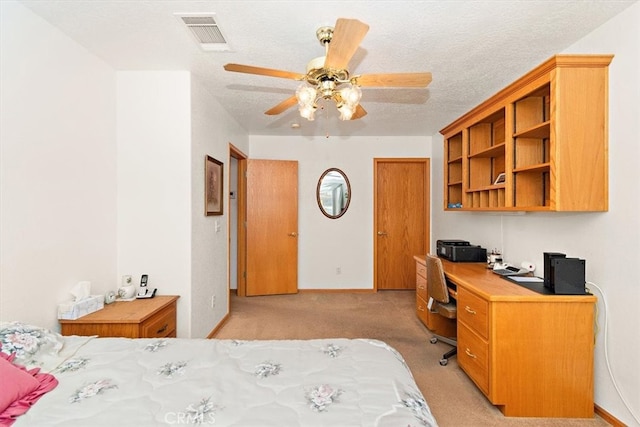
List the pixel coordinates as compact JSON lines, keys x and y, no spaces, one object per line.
{"x":388,"y":316}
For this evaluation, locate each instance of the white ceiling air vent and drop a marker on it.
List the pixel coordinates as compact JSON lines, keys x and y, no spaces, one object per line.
{"x":206,"y":31}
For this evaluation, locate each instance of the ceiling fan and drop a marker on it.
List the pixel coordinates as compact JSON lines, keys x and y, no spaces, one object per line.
{"x":328,"y":77}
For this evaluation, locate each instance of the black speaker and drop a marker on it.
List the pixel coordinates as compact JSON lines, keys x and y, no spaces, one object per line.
{"x":568,"y":276}
{"x":548,"y":256}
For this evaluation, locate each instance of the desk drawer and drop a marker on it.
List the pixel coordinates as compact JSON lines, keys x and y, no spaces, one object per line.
{"x":160,"y":325}
{"x":473,"y":311}
{"x":422,"y":312}
{"x":421,"y":287}
{"x":473,"y":357}
{"x":421,"y":270}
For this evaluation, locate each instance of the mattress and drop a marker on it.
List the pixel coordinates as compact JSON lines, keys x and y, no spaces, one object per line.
{"x":159,"y":382}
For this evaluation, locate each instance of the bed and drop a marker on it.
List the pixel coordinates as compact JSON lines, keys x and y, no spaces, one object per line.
{"x":174,"y":381}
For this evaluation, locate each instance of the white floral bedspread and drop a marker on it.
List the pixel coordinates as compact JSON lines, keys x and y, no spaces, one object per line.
{"x":150,"y":382}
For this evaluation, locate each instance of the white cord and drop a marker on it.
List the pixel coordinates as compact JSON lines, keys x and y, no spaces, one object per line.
{"x":606,"y":354}
{"x":502,"y":235}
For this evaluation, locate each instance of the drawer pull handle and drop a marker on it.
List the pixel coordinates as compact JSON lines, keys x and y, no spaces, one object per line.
{"x":473,"y":356}
{"x":420,"y":308}
{"x":421,"y":287}
{"x":468,"y":310}
{"x":164,"y":328}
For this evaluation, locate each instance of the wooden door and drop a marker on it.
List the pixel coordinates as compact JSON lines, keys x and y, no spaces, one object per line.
{"x":401,"y":220}
{"x":272,"y":227}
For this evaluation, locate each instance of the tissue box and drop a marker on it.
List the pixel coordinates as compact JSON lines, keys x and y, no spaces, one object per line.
{"x":74,"y":310}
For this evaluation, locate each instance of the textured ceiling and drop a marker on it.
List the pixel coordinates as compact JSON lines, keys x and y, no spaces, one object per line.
{"x":472,"y":48}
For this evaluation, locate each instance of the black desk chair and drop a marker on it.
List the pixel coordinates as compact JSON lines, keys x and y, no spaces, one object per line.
{"x":441,"y":302}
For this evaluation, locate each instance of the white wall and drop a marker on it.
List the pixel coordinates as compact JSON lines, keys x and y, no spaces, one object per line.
{"x":621,"y":227}
{"x":58,"y":169}
{"x":347,"y":242}
{"x":154,"y":182}
{"x":102,"y":176}
{"x":609,"y":242}
{"x":212,"y":131}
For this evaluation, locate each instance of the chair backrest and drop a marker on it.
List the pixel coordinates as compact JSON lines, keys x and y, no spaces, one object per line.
{"x":436,"y":282}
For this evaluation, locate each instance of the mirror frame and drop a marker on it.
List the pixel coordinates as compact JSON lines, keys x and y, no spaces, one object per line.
{"x":325,"y":173}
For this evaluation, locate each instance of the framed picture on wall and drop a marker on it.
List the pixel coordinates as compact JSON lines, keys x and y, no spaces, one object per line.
{"x":213,"y":186}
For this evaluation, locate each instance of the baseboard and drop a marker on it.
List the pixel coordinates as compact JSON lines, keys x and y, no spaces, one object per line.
{"x":346,"y":291}
{"x":220,"y":324}
{"x":608,"y":417}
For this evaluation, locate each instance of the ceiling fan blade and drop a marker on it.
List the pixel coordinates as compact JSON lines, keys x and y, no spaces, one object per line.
{"x":347,"y":35}
{"x":395,"y":80}
{"x":248,"y":69}
{"x":284,"y":105}
{"x":360,"y":112}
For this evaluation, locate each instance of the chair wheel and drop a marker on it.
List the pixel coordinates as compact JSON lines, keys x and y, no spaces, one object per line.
{"x":433,"y":340}
{"x":443,"y":362}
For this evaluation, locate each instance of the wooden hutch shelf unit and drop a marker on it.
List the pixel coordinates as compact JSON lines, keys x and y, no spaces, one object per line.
{"x":547,"y":133}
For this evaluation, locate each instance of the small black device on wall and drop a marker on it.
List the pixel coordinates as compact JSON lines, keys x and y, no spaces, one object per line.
{"x":564,"y":276}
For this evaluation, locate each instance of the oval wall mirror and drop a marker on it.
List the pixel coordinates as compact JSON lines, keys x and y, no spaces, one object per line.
{"x":333,"y":193}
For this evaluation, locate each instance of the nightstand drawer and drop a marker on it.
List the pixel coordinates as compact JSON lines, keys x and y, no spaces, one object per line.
{"x":160,"y":325}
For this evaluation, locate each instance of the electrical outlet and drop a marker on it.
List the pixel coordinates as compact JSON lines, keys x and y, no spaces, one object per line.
{"x":213,"y":301}
{"x":338,"y":270}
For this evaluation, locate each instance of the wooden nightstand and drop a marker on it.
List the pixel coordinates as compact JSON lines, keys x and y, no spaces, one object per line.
{"x":140,"y":318}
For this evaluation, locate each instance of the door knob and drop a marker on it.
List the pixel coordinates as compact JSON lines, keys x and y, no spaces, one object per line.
{"x":381,"y":233}
{"x":294,"y":234}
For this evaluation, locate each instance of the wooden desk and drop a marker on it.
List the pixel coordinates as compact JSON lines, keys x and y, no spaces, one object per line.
{"x":140,"y":318}
{"x":530,"y":354}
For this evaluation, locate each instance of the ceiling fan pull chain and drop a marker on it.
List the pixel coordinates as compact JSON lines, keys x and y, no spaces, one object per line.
{"x":326,"y":122}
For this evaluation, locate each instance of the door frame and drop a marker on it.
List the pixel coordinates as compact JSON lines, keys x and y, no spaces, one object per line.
{"x":241,"y":231}
{"x":427,"y":237}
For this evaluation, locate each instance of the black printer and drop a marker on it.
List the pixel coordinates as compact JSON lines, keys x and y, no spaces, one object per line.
{"x":460,"y":251}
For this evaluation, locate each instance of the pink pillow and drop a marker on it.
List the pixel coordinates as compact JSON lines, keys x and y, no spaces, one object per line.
{"x":16,"y":384}
{"x":20,"y":388}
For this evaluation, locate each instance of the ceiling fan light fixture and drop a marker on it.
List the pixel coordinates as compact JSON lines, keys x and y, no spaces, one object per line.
{"x":351,"y":95}
{"x":307,"y":111}
{"x":346,"y":99}
{"x":306,"y":95}
{"x":346,"y":111}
